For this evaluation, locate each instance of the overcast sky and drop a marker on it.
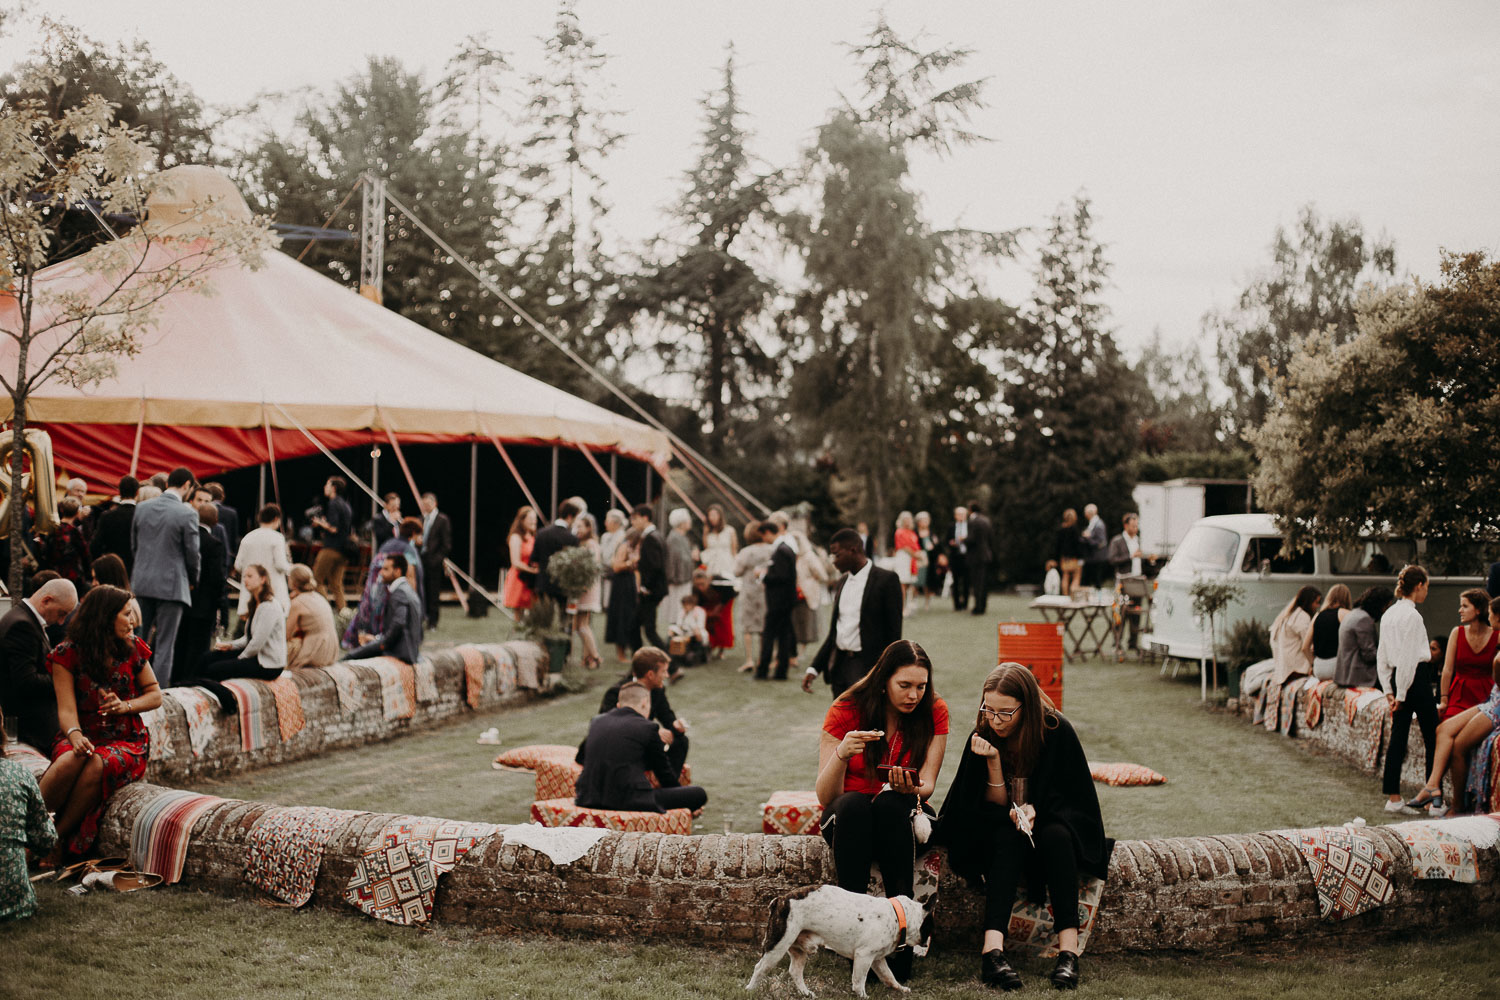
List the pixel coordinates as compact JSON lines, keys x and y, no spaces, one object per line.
{"x":1196,"y":128}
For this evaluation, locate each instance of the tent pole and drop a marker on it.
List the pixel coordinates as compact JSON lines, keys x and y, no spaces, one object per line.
{"x":554,"y":485}
{"x":260,"y":499}
{"x":648,"y":482}
{"x":614,"y":478}
{"x":473,"y":499}
{"x":375,"y":481}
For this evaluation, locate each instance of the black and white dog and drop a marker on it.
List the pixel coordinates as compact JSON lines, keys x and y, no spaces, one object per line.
{"x":859,"y":927}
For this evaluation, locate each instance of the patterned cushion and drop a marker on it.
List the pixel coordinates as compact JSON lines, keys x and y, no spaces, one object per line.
{"x":526,"y":758}
{"x":558,"y":779}
{"x":562,"y":812}
{"x":794,"y":813}
{"x":1125,"y":774}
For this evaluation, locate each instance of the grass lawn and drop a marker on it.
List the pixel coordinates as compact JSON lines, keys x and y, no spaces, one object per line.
{"x":748,"y":739}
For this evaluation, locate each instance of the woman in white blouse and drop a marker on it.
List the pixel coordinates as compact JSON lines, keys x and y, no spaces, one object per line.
{"x":1403,"y":666}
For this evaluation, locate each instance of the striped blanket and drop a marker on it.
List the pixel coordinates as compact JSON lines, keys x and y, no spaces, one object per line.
{"x":426,"y":681}
{"x":159,"y":836}
{"x":473,"y":674}
{"x":289,"y":716}
{"x":285,"y":849}
{"x":29,"y":757}
{"x":398,"y":686}
{"x":346,"y":684}
{"x":250,"y":696}
{"x":202,"y":711}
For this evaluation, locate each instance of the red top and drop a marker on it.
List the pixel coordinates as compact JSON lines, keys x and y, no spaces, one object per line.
{"x":843,"y":717}
{"x":1471,"y":680}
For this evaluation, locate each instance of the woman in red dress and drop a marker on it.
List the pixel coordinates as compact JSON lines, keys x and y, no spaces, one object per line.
{"x":103,"y":680}
{"x":1466,"y":680}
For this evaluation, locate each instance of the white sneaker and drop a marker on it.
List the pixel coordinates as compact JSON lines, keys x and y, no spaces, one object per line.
{"x":1400,"y":807}
{"x":1438,"y":811}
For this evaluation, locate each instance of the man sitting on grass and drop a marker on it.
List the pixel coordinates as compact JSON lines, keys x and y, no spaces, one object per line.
{"x":622,"y":746}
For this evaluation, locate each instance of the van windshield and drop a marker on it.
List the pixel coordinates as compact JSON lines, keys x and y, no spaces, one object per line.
{"x":1206,"y":549}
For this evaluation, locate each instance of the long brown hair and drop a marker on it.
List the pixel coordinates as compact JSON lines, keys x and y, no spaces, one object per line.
{"x":518,"y":523}
{"x":92,"y":631}
{"x":1020,"y":750}
{"x":261,"y":596}
{"x":869,"y":697}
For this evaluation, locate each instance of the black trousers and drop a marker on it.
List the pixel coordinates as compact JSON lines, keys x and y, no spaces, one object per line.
{"x":1419,"y":702}
{"x":865,"y":830}
{"x":645,"y":623}
{"x":979,"y":584}
{"x":1013,"y":857}
{"x":778,"y":631}
{"x":432,"y":587}
{"x":194,"y":638}
{"x":681,"y":797}
{"x":221,"y":665}
{"x":958,"y":566}
{"x":677,"y":752}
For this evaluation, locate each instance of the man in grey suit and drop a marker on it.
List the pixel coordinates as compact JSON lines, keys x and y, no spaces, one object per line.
{"x":164,"y":538}
{"x":401,"y":635}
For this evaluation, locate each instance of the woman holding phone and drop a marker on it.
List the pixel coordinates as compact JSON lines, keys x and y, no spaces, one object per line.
{"x":878,"y":761}
{"x":1022,"y":805}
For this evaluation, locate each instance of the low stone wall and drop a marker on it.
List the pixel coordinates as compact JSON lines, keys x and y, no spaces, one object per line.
{"x":1201,"y":894}
{"x":512,"y":673}
{"x":1362,"y":742}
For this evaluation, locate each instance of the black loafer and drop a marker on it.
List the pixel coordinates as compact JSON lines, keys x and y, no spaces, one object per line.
{"x":1065,"y":975}
{"x":995,"y":971}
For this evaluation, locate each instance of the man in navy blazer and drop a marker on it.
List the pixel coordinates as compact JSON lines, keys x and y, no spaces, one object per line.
{"x":164,"y":538}
{"x":622,"y":745}
{"x":401,"y":634}
{"x":549,"y":542}
{"x":866,"y":616}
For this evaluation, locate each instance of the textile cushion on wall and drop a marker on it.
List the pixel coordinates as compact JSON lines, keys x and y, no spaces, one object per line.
{"x":563,"y":812}
{"x":794,"y":813}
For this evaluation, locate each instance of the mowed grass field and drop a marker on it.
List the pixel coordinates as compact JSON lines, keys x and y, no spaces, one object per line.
{"x":748,"y":739}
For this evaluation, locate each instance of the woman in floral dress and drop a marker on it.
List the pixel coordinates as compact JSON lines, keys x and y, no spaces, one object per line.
{"x":23,"y":823}
{"x":103,"y":679}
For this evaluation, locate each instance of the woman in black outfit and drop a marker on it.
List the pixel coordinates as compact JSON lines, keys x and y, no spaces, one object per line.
{"x":1023,"y":765}
{"x":1070,"y":551}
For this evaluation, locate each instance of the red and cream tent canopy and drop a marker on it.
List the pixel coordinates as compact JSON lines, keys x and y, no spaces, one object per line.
{"x":224,"y":380}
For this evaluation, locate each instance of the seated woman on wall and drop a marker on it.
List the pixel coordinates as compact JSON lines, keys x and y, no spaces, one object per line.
{"x":878,"y":761}
{"x":1459,"y":735}
{"x":312,"y":639}
{"x":1289,"y":632}
{"x":103,"y":680}
{"x":260,"y":653}
{"x":1357,"y":639}
{"x":1467,"y":656}
{"x":1023,"y":769}
{"x":24,"y":824}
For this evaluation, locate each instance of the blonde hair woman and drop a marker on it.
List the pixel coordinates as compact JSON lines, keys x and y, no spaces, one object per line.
{"x":311,"y":637}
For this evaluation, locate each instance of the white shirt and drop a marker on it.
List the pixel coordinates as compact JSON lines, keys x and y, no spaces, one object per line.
{"x":846,"y":633}
{"x":786,"y":538}
{"x":1403,"y":645}
{"x":961,"y":534}
{"x":1133,"y":543}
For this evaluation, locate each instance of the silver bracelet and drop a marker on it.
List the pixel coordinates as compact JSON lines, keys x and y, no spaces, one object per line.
{"x":995,"y":784}
{"x":70,"y":732}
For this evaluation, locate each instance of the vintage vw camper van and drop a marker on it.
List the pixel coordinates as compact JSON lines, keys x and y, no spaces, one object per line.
{"x":1246,"y":550}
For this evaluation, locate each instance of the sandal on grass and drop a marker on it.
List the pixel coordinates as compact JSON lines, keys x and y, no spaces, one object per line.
{"x":122,"y":881}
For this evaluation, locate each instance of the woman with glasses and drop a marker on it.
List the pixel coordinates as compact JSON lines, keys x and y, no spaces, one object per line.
{"x":1022,"y":806}
{"x":878,"y":761}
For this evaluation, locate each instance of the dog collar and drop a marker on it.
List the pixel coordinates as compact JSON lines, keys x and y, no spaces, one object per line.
{"x":900,"y":913}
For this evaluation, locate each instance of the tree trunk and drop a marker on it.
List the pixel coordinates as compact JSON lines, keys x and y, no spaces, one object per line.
{"x":717,"y":339}
{"x":17,"y":496}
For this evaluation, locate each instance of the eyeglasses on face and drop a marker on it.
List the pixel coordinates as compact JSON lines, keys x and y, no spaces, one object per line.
{"x":998,"y":715}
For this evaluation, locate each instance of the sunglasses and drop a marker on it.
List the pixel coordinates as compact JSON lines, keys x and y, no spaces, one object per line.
{"x":997,"y":715}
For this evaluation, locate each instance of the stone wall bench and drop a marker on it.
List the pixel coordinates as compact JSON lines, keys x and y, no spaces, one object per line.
{"x":1201,"y":894}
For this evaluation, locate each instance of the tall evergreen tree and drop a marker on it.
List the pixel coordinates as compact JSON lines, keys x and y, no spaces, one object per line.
{"x":706,"y":287}
{"x":1072,"y":428}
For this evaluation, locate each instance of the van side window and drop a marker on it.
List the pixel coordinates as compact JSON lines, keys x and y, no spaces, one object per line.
{"x":1447,"y":557}
{"x":1261,"y":551}
{"x":1373,"y":557}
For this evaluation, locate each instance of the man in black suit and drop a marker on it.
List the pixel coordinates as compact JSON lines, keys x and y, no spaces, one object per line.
{"x":402,"y":635}
{"x":781,"y":597}
{"x":549,"y":542}
{"x":437,"y":542}
{"x":957,"y":546}
{"x":981,"y":550}
{"x":196,"y":633}
{"x":622,"y":745}
{"x":866,"y":616}
{"x":866,"y":539}
{"x":26,"y":693}
{"x":229,"y":519}
{"x":652,"y":566}
{"x":387,"y":520}
{"x":112,"y":529}
{"x":648,"y":668}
